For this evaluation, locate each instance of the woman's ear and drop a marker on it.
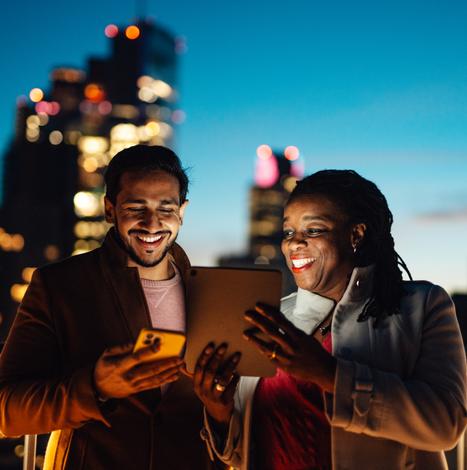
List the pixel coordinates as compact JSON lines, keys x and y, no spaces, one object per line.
{"x":357,"y":236}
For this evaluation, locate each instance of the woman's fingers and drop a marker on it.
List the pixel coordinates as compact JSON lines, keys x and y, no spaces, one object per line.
{"x":270,"y":328}
{"x":271,"y":350}
{"x":277,"y":317}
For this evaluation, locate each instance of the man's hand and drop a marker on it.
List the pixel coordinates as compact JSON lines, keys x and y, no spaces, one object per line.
{"x":215,"y":382}
{"x":120,"y":373}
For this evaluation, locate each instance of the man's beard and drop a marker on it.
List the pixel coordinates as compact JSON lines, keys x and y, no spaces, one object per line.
{"x":134,"y":257}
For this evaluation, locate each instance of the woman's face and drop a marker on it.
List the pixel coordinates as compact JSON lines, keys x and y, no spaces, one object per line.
{"x":318,"y":244}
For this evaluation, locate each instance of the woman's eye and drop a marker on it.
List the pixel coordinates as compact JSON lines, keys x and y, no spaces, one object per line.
{"x":287,"y":234}
{"x":314,"y":232}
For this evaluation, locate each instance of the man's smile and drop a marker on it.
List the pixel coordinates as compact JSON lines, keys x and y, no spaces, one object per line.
{"x":149,"y":240}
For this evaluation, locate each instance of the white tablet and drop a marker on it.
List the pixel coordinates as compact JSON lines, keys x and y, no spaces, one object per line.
{"x":217,"y":299}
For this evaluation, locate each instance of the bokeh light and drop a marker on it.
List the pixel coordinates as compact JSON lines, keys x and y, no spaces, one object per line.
{"x":94,"y":92}
{"x":291,"y":152}
{"x":36,"y":95}
{"x":264,"y":152}
{"x":111,"y":31}
{"x":132,"y":32}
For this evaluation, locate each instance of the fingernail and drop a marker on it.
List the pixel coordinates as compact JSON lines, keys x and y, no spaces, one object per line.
{"x":236,"y":357}
{"x":222,"y":348}
{"x":209,"y":349}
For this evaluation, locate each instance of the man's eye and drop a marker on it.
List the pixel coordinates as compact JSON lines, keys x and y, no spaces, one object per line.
{"x":166,"y":210}
{"x":135,"y":209}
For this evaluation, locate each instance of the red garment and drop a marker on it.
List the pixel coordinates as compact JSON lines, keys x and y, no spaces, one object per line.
{"x":290,"y":429}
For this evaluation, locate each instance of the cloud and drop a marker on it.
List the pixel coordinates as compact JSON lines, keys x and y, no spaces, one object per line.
{"x":448,"y":215}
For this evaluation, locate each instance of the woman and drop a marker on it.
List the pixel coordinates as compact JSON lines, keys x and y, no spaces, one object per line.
{"x":371,"y":369}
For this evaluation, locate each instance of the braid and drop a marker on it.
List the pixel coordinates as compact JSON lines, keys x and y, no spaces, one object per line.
{"x":363,"y":202}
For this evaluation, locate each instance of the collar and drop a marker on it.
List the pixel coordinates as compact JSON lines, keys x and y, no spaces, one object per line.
{"x":311,"y":307}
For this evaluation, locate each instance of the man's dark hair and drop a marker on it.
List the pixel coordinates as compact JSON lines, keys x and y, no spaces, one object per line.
{"x":144,"y":159}
{"x":362,"y":202}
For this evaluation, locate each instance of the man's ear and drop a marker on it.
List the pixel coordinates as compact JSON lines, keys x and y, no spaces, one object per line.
{"x":357,"y":235}
{"x":109,"y":211}
{"x":182,"y":210}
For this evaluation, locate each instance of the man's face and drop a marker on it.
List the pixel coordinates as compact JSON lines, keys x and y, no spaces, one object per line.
{"x":147,"y":215}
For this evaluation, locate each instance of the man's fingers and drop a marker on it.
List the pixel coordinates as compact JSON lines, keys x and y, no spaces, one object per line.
{"x":118,"y":350}
{"x":229,"y":393}
{"x":147,"y":383}
{"x":225,"y":375}
{"x":149,"y":369}
{"x":213,"y":365}
{"x":201,"y":363}
{"x":147,"y":354}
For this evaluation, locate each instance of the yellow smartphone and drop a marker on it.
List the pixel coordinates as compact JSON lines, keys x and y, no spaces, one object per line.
{"x":171,"y":342}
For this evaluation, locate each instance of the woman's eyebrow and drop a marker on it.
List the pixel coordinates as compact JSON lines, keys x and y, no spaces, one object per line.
{"x":308,"y":218}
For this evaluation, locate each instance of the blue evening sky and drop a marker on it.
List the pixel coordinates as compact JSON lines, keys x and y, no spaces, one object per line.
{"x":380,"y":87}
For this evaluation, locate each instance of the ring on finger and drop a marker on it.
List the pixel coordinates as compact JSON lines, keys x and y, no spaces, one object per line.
{"x":274,"y":352}
{"x":220,"y":387}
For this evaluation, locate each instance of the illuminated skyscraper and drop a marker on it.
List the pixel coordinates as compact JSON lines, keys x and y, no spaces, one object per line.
{"x":275,"y":176}
{"x":65,"y":137}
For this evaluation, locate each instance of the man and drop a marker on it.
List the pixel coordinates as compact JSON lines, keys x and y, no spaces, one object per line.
{"x":68,"y":367}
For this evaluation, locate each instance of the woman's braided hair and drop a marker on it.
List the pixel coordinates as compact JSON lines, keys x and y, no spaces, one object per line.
{"x":362,"y":202}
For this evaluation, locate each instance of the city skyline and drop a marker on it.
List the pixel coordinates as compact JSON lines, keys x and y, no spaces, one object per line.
{"x":380,"y":89}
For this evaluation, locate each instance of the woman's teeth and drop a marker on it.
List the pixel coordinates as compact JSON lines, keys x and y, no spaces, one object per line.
{"x":299,"y":263}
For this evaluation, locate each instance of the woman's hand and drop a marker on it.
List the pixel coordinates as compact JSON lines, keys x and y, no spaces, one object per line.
{"x":290,"y":348}
{"x":215,"y":381}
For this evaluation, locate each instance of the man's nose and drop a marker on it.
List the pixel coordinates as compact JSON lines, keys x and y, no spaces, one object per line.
{"x":151,"y":221}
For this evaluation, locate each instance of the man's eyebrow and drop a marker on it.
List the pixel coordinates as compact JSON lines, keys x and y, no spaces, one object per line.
{"x":169,"y":202}
{"x":163,"y":202}
{"x":134,"y":201}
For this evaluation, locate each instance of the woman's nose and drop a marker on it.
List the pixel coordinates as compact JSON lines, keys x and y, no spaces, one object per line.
{"x":297,"y":240}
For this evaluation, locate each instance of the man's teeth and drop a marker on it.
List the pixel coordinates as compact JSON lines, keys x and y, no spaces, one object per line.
{"x":149,"y":238}
{"x":299,"y":263}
